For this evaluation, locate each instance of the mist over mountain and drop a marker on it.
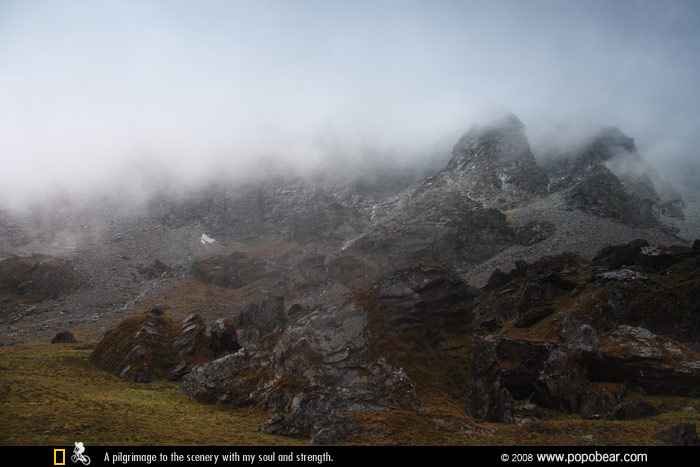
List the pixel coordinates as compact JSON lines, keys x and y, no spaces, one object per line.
{"x":358,"y":223}
{"x":195,"y":91}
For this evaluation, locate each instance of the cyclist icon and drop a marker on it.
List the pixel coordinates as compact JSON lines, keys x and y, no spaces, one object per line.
{"x":78,"y":454}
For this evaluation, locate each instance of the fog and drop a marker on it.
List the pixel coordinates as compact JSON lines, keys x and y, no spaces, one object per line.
{"x":123,"y":95}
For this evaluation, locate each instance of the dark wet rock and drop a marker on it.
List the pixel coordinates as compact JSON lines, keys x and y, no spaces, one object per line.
{"x":288,"y":264}
{"x":634,"y":410}
{"x":533,"y":317}
{"x":562,"y":382}
{"x":497,"y":279}
{"x":667,"y":308}
{"x":64,"y":337}
{"x":602,"y":194}
{"x":37,"y":278}
{"x":322,"y":413}
{"x":224,"y":338}
{"x":521,"y":362}
{"x":683,"y":434}
{"x":486,"y":397}
{"x":353,"y":270}
{"x":598,"y":405}
{"x":529,"y":298}
{"x":324,"y":364}
{"x":636,"y":356}
{"x":583,"y":344}
{"x":191,"y":335}
{"x":620,"y":255}
{"x":427,"y":299}
{"x":256,"y":320}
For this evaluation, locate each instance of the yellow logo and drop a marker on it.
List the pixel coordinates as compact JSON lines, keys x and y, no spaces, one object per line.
{"x":59,"y":457}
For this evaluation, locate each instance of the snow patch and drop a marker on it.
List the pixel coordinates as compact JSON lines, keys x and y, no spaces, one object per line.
{"x":206,"y":240}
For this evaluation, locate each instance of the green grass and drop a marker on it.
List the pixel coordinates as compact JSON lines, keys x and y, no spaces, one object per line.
{"x":53,"y":395}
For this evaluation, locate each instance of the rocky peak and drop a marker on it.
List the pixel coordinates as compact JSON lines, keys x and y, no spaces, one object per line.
{"x":495,"y":165}
{"x":609,"y":143}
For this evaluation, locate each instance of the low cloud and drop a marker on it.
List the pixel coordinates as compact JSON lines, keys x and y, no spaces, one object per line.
{"x":128,"y":95}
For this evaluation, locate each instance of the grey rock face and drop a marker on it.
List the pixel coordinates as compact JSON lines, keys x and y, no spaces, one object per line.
{"x":486,"y":398}
{"x":258,"y":319}
{"x":562,"y":382}
{"x":659,"y":366}
{"x":495,"y":166}
{"x":325,"y":364}
{"x":192,"y":330}
{"x":583,"y":344}
{"x":607,"y":178}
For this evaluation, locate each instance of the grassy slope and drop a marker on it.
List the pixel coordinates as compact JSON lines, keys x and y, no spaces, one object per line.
{"x":52,"y":395}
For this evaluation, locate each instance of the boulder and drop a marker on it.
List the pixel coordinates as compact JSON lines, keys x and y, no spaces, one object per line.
{"x":140,"y":348}
{"x":64,"y":337}
{"x":683,"y":434}
{"x":598,"y":405}
{"x":152,"y":346}
{"x":620,"y":255}
{"x":634,"y":410}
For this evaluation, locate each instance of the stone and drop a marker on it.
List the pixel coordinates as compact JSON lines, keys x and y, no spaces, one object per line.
{"x":256,"y":320}
{"x":64,"y":337}
{"x":485,"y":397}
{"x":638,"y":357}
{"x":634,"y":410}
{"x":683,"y":434}
{"x":583,"y":344}
{"x":224,"y":338}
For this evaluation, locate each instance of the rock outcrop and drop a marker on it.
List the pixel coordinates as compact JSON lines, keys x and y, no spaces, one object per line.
{"x":334,"y":360}
{"x":683,"y":434}
{"x":64,"y":337}
{"x":607,"y":177}
{"x":37,"y":278}
{"x":153,"y":346}
{"x":495,"y":166}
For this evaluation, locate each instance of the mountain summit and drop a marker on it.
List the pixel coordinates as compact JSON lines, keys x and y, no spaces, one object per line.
{"x":495,"y":165}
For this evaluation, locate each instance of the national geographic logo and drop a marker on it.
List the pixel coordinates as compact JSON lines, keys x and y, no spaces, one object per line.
{"x":59,"y":457}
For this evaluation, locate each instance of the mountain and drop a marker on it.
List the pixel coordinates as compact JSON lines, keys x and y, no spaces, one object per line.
{"x":332,"y":298}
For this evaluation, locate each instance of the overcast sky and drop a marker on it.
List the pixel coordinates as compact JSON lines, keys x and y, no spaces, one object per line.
{"x":93,"y":90}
